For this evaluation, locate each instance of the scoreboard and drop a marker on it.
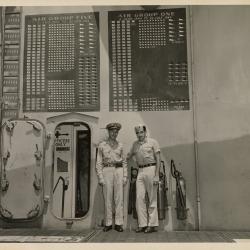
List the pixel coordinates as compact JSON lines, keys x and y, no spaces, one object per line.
{"x":148,"y":60}
{"x":61,"y":65}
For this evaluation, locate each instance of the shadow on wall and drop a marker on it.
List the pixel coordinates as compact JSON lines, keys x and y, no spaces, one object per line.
{"x":224,"y":184}
{"x":98,"y":212}
{"x":97,"y":219}
{"x":183,"y":156}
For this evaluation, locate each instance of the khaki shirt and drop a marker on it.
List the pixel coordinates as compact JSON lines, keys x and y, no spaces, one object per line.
{"x":144,"y":152}
{"x":106,"y":155}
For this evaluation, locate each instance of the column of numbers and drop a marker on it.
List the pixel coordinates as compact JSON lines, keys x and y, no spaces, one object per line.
{"x":121,"y":66}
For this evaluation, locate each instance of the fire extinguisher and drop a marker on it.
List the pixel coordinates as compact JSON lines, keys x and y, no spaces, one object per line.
{"x":132,"y":193}
{"x":162,"y":199}
{"x":180,"y":193}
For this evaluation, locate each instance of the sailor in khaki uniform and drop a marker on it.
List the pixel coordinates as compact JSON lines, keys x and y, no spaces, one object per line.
{"x":111,"y":168}
{"x":146,"y":152}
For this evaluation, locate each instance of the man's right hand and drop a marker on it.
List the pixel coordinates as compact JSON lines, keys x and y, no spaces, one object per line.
{"x":129,"y":155}
{"x":101,"y":182}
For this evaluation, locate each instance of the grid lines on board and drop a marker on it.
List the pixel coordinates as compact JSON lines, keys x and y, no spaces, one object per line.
{"x":61,"y":63}
{"x":148,"y":60}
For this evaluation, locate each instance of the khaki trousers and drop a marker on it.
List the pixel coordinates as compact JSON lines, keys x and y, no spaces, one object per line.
{"x":144,"y":183}
{"x":113,"y":191}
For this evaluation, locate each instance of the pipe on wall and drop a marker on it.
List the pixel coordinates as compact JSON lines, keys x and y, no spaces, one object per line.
{"x":196,"y":162}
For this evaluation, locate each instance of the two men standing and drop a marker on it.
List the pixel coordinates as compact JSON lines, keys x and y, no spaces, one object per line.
{"x":111,"y":168}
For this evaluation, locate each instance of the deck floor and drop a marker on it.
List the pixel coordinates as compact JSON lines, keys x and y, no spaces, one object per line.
{"x":97,"y":235}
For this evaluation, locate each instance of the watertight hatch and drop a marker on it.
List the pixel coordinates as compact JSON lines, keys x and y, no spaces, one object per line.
{"x":22,"y":164}
{"x":71,"y":172}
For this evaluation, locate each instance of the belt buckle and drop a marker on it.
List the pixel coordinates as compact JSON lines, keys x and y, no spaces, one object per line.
{"x":107,"y":165}
{"x":148,"y":165}
{"x":118,"y":165}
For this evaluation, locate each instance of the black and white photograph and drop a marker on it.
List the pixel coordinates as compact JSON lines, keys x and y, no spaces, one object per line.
{"x":125,"y":123}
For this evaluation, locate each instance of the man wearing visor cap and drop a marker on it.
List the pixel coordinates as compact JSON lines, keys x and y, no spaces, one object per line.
{"x":146,"y":152}
{"x":111,"y":168}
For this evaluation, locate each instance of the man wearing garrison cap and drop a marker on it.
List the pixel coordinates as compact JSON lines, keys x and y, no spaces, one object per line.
{"x":146,"y":152}
{"x":111,"y":168}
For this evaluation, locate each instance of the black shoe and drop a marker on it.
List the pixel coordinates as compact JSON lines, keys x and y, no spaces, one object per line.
{"x":149,"y":230}
{"x":140,"y":229}
{"x":118,"y":228}
{"x":107,"y":228}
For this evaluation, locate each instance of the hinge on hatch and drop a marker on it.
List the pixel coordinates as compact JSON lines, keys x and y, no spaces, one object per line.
{"x":6,"y":213}
{"x":33,"y":212}
{"x":4,"y":184}
{"x":35,"y":127}
{"x":38,"y":154}
{"x":37,"y":183}
{"x":10,"y":125}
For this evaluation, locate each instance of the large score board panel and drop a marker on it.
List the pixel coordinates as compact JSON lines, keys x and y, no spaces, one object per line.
{"x":148,"y":60}
{"x":61,"y":63}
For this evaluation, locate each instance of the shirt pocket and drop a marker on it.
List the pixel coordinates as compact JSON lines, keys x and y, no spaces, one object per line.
{"x":106,"y":154}
{"x":148,"y":149}
{"x":117,"y":152}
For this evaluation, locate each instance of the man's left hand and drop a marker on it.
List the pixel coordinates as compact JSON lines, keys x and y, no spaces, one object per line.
{"x":156,"y":180}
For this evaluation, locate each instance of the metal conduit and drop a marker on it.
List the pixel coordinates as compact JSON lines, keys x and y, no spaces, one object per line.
{"x":194,"y":102}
